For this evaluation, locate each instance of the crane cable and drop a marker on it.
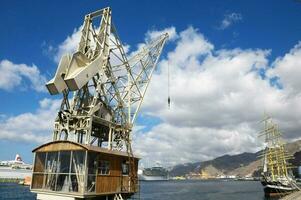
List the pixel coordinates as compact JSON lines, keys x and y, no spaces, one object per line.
{"x":168,"y":86}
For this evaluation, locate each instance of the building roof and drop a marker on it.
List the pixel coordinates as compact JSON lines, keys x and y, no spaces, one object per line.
{"x":61,"y":145}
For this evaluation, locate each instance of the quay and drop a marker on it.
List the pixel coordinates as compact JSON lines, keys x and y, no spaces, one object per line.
{"x":11,"y":180}
{"x":22,"y":181}
{"x":20,"y":176}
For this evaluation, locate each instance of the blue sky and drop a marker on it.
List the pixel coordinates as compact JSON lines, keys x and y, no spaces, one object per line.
{"x":32,"y":32}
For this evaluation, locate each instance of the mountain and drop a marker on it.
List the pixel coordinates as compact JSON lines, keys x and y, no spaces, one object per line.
{"x":244,"y":164}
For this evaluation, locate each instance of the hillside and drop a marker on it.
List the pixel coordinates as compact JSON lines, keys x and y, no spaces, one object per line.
{"x":244,"y":164}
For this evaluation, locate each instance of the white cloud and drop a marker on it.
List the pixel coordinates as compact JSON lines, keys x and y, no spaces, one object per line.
{"x":13,"y":75}
{"x":153,"y":34}
{"x":288,"y":69}
{"x":30,"y":127}
{"x":169,"y":144}
{"x":217,"y":101}
{"x":190,"y":46}
{"x":230,"y":19}
{"x":217,"y":98}
{"x":69,"y":45}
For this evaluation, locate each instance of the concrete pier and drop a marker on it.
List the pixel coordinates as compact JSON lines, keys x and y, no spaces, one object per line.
{"x":8,"y":173}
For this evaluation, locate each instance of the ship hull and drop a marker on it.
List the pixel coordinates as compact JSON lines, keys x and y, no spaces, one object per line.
{"x":152,"y":178}
{"x":276,"y":189}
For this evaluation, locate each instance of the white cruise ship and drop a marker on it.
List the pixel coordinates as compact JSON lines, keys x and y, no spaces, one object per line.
{"x":153,"y":174}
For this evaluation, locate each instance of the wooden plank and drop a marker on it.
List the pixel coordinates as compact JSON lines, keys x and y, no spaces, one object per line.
{"x":108,"y":184}
{"x":39,"y":162}
{"x":37,"y":181}
{"x":65,"y":144}
{"x":60,"y":147}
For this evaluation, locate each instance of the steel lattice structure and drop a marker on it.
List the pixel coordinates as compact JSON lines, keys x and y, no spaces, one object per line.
{"x":102,"y":89}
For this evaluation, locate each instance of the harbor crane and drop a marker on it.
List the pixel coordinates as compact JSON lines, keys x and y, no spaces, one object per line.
{"x":102,"y":93}
{"x":102,"y":89}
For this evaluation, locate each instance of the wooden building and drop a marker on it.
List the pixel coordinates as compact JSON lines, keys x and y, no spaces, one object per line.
{"x":66,"y":169}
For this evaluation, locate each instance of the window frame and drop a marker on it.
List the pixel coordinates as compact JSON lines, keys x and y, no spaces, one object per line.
{"x":124,"y":163}
{"x":57,"y":172}
{"x":107,"y":168}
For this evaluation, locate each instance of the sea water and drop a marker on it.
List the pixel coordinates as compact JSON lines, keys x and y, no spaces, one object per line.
{"x":202,"y":190}
{"x":169,"y":190}
{"x":15,"y":191}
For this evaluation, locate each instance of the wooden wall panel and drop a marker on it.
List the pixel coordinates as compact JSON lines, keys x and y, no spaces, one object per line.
{"x":107,"y":184}
{"x":115,"y":163}
{"x":39,"y":162}
{"x":125,"y":183}
{"x":37,"y":181}
{"x":115,"y":181}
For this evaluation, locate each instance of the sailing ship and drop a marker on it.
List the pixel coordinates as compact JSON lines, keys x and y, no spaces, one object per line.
{"x":276,"y":177}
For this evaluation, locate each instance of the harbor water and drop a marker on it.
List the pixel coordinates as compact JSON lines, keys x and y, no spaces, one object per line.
{"x":169,"y":190}
{"x":202,"y":190}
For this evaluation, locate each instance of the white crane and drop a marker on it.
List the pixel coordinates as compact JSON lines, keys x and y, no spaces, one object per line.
{"x":102,"y":89}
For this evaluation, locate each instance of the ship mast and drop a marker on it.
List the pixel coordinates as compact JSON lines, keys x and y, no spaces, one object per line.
{"x":275,"y":165}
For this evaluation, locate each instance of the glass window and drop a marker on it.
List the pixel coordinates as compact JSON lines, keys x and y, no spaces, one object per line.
{"x":64,"y":160}
{"x":74,"y":183}
{"x":92,"y":163}
{"x":37,"y":181}
{"x":125,"y":168}
{"x":50,"y":181}
{"x":52,"y":162}
{"x":56,"y":174}
{"x":91,"y":183}
{"x":39,"y":164}
{"x":103,"y":167}
{"x":78,"y":162}
{"x":78,"y":169}
{"x":62,"y":183}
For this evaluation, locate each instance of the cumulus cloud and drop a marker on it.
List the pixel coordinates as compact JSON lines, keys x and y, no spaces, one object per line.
{"x":69,"y":45}
{"x":169,"y":144}
{"x":31,"y":127}
{"x":288,"y":69}
{"x":153,"y":34}
{"x":230,"y":19}
{"x":217,"y":101}
{"x":13,"y":75}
